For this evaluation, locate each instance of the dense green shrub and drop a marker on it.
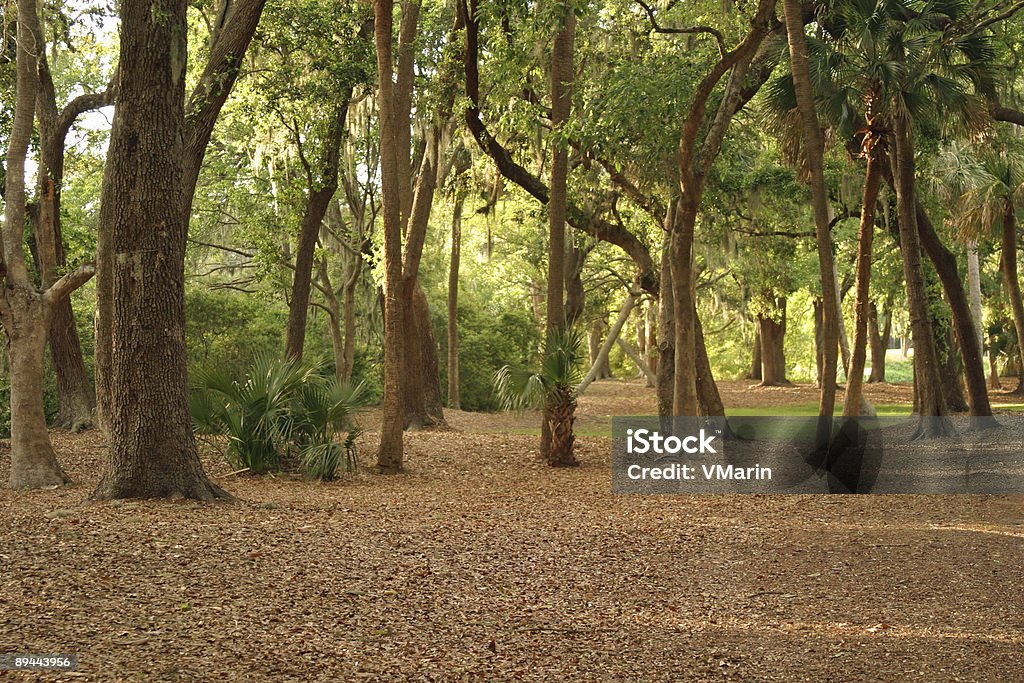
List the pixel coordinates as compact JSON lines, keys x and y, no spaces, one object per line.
{"x":277,"y":414}
{"x":486,"y":344}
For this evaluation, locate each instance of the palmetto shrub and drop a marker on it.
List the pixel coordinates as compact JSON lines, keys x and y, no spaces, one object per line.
{"x":279,"y":414}
{"x":553,"y":387}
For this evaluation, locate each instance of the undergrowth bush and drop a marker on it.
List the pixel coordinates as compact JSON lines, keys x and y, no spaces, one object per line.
{"x":279,"y":414}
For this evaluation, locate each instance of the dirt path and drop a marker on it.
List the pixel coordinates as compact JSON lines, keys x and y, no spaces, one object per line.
{"x":482,"y":565}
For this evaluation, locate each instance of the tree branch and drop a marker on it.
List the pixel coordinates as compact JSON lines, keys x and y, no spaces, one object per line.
{"x":719,"y":38}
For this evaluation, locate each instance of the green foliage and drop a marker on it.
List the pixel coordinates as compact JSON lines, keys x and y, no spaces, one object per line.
{"x":278,"y":411}
{"x":520,"y":389}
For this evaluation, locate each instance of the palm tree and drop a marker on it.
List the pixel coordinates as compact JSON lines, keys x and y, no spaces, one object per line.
{"x":551,"y":388}
{"x":984,"y":185}
{"x":880,"y":68}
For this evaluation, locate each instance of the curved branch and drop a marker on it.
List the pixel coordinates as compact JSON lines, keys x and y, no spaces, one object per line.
{"x":707,"y":30}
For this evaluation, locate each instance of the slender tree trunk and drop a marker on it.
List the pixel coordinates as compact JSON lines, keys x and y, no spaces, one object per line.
{"x":1012,"y":284}
{"x":634,"y":355}
{"x":152,"y":452}
{"x":963,"y":323}
{"x":390,"y":454}
{"x":613,"y":334}
{"x":349,"y":303}
{"x":862,"y":300}
{"x":561,"y":102}
{"x":926,"y":361}
{"x":453,"y":306}
{"x":666,"y":327}
{"x":974,"y":292}
{"x":879,"y":343}
{"x":814,"y":150}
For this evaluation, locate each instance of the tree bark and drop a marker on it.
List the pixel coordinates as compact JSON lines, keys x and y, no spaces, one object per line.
{"x":391,"y":451}
{"x":152,"y":452}
{"x":814,"y":149}
{"x":773,"y":350}
{"x":613,"y":334}
{"x":862,"y":295}
{"x":1012,"y":284}
{"x":755,"y":355}
{"x":666,"y":326}
{"x":926,"y":362}
{"x":879,"y":342}
{"x":227,"y":49}
{"x":321,"y":184}
{"x":453,"y":305}
{"x":562,"y":73}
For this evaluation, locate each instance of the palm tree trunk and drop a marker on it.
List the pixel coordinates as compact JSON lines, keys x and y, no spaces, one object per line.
{"x":862,"y":303}
{"x":814,"y":149}
{"x":453,"y":306}
{"x":561,"y":103}
{"x":926,"y":360}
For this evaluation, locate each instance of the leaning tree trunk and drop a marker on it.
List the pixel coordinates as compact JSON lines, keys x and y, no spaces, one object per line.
{"x":814,"y":150}
{"x":1012,"y":284}
{"x":152,"y":452}
{"x":926,"y":361}
{"x":424,"y":406}
{"x":862,"y":300}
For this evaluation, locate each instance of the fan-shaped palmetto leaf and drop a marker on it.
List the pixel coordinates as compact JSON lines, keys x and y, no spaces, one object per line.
{"x":520,"y":389}
{"x":279,"y":406}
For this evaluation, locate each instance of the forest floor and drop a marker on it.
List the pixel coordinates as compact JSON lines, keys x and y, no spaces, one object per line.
{"x":481,"y":564}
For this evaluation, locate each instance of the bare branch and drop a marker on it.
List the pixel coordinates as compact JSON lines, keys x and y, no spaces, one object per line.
{"x":708,"y":30}
{"x":69,"y":282}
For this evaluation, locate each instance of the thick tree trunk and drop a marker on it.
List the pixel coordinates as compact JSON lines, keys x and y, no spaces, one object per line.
{"x":33,"y":462}
{"x":773,"y":349}
{"x":814,"y":150}
{"x":152,"y":451}
{"x":453,"y":306}
{"x":862,"y":295}
{"x":391,"y":451}
{"x":574,"y":296}
{"x":926,"y":360}
{"x":424,"y":406}
{"x":707,"y":390}
{"x":1012,"y":284}
{"x":879,"y":343}
{"x":228,"y":46}
{"x":685,"y":400}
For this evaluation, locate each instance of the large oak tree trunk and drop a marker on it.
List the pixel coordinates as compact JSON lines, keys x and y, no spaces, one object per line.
{"x":773,"y":348}
{"x":390,"y":453}
{"x":152,"y":451}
